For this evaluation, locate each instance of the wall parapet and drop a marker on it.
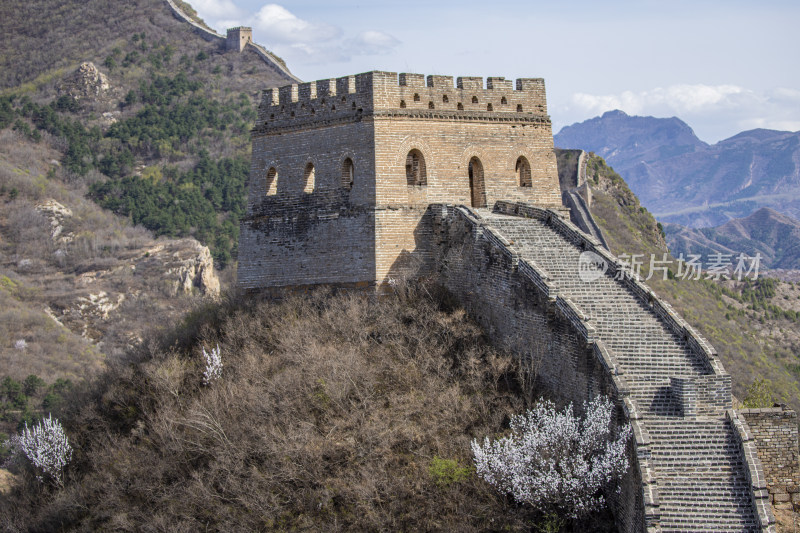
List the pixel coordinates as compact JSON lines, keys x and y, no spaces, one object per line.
{"x":407,"y":95}
{"x":756,"y":481}
{"x":713,"y":392}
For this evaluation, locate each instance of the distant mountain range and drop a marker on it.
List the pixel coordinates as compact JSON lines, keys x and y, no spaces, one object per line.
{"x":776,"y":237}
{"x":684,"y":180}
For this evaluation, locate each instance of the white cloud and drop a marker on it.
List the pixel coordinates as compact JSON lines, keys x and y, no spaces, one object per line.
{"x":677,"y":98}
{"x":278,"y":25}
{"x":371,"y":42}
{"x":212,"y":10}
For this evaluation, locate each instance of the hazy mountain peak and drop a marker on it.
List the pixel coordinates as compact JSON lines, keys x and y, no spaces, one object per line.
{"x":684,"y":180}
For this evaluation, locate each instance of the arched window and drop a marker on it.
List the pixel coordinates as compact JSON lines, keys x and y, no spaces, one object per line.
{"x":460,"y":106}
{"x":477,"y":188}
{"x":416,"y":97}
{"x":489,"y":107}
{"x":503,"y":100}
{"x":523,"y":170}
{"x":347,"y":174}
{"x":415,"y":168}
{"x":445,"y":99}
{"x":474,"y":99}
{"x":272,"y":181}
{"x":430,"y":105}
{"x":519,"y":108}
{"x":402,"y":104}
{"x":309,"y":178}
{"x":333,"y":108}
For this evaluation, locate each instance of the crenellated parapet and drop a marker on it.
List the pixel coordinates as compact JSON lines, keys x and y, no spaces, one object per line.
{"x":406,"y":95}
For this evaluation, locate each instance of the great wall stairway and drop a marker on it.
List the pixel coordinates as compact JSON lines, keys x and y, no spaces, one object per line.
{"x":700,"y":468}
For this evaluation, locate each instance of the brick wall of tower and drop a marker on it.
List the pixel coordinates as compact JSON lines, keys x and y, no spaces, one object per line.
{"x":774,"y":432}
{"x":290,"y":237}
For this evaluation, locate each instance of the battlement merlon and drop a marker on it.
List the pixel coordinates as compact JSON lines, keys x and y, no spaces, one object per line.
{"x":377,"y":91}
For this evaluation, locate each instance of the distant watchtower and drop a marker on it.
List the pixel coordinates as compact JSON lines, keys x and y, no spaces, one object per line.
{"x":238,"y":38}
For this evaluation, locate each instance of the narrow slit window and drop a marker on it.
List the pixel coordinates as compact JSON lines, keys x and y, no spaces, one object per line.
{"x":272,"y":181}
{"x":348,"y":173}
{"x":519,"y":108}
{"x":523,"y":170}
{"x":489,"y":107}
{"x":310,"y":177}
{"x":402,"y":104}
{"x":416,"y":173}
{"x":416,"y":97}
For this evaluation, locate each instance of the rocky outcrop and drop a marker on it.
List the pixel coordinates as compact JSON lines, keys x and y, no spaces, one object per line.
{"x":85,"y":83}
{"x":109,"y":287}
{"x":57,"y":214}
{"x":184,"y":265}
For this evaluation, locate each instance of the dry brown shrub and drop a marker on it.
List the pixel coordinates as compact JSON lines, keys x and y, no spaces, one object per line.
{"x":328,"y":414}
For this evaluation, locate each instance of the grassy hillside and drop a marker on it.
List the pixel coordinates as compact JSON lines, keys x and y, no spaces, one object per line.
{"x":754,"y":326}
{"x":334,"y":413}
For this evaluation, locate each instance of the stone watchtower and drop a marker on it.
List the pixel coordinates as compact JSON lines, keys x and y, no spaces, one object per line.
{"x":344,"y":171}
{"x":238,"y":38}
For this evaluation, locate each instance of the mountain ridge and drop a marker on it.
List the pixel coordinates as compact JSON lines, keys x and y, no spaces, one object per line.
{"x":687,"y":181}
{"x":772,"y":235}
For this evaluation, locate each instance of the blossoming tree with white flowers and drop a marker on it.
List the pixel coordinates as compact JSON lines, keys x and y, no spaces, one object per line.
{"x":556,"y":461}
{"x":213,"y":370}
{"x":46,"y":446}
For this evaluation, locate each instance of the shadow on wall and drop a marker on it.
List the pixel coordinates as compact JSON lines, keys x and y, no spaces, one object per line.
{"x":419,"y":261}
{"x":307,"y":239}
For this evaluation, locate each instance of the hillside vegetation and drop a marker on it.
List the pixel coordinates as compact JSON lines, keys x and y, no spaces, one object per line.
{"x":333,"y":412}
{"x":156,"y":130}
{"x":754,"y":325}
{"x":165,"y":140}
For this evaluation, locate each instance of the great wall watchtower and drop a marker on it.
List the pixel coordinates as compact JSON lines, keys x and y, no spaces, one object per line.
{"x":237,"y":38}
{"x":343,"y":171}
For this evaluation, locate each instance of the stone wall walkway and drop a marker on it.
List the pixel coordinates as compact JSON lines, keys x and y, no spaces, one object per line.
{"x":697,"y":457}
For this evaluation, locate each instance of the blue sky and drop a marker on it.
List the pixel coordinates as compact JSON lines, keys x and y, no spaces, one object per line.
{"x":722,"y":66}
